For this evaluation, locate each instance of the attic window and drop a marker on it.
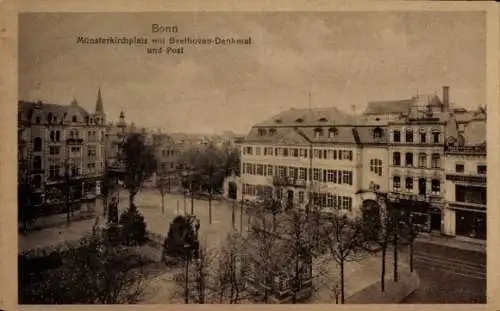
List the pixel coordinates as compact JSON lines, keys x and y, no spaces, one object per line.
{"x":299,"y":120}
{"x":74,"y":119}
{"x":377,"y":119}
{"x":278,"y":121}
{"x":318,"y":132}
{"x":49,"y":118}
{"x":332,"y":132}
{"x":323,"y":119}
{"x":262,"y":132}
{"x":272,"y":132}
{"x":377,"y":133}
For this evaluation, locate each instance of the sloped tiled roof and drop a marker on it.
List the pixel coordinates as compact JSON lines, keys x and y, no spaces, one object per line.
{"x":283,"y":135}
{"x":365,"y":134}
{"x":402,"y":105}
{"x":315,"y":116}
{"x":60,"y":110}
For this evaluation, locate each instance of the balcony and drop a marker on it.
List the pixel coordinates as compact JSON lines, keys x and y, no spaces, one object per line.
{"x":290,"y":182}
{"x":431,"y":198}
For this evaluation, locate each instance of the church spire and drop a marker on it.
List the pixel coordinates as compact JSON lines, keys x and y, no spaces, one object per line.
{"x":99,"y":108}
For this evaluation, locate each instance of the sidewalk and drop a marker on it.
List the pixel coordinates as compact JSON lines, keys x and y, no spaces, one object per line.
{"x":462,"y":243}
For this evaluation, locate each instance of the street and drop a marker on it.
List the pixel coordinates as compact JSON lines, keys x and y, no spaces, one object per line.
{"x":449,"y":275}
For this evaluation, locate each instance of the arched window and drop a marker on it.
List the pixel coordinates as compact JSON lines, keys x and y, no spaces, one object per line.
{"x":377,"y":133}
{"x":299,"y":120}
{"x":37,"y":163}
{"x":332,"y":132}
{"x":436,"y":133}
{"x":74,"y":119}
{"x":396,"y":136}
{"x":323,"y":119}
{"x":37,"y":146}
{"x":37,"y":120}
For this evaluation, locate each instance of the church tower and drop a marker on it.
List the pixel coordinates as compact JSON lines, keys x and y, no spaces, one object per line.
{"x":100,"y":116}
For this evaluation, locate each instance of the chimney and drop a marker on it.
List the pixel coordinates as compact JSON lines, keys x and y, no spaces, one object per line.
{"x":446,"y":98}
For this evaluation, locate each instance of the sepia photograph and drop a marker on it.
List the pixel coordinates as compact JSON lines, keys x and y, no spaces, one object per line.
{"x":293,"y":157}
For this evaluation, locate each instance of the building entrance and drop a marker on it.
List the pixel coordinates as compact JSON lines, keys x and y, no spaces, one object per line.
{"x":435,"y":222}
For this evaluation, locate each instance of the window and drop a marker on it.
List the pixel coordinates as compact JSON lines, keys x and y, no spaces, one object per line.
{"x":302,"y":173}
{"x":332,"y":132}
{"x":54,"y":171}
{"x":249,"y":150}
{"x":409,"y":135}
{"x":282,"y":171}
{"x":37,"y":181}
{"x":423,"y":137}
{"x":285,"y":152}
{"x":316,"y":173}
{"x":436,"y":186}
{"x":422,"y":160}
{"x":74,"y":119}
{"x":270,"y":170}
{"x":262,"y":132}
{"x":257,"y":151}
{"x":260,"y":170}
{"x":329,"y":175}
{"x":396,"y":159}
{"x":409,"y":159}
{"x":318,"y":132}
{"x":52,"y":135}
{"x":272,"y":132}
{"x":396,"y":135}
{"x":396,"y":182}
{"x":422,"y":185}
{"x":345,"y":178}
{"x":58,"y":136}
{"x":409,"y":183}
{"x":349,"y":155}
{"x":49,"y":118}
{"x":37,"y":146}
{"x":376,"y":166}
{"x":481,"y":169}
{"x":295,"y":152}
{"x":37,"y":120}
{"x":436,"y":160}
{"x":301,"y":197}
{"x":377,"y":133}
{"x":435,"y":136}
{"x":37,"y":163}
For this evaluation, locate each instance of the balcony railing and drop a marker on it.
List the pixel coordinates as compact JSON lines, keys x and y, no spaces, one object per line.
{"x":432,"y":198}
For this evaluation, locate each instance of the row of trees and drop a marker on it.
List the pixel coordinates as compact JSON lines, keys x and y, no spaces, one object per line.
{"x":297,"y":247}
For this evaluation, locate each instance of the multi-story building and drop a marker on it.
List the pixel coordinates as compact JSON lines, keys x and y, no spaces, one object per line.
{"x":465,"y":153}
{"x":61,"y":145}
{"x":115,"y":136}
{"x":393,"y":153}
{"x":167,"y":156}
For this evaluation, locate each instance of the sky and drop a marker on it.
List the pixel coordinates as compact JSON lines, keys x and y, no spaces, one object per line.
{"x":344,"y":59}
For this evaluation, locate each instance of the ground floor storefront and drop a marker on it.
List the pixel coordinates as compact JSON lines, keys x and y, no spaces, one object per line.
{"x":466,"y":223}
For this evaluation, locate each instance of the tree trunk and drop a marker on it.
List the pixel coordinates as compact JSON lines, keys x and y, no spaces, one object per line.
{"x":342,"y":294}
{"x":192,"y":201}
{"x":382,"y":274}
{"x":131,"y":197}
{"x":411,"y":253}
{"x":395,"y":255}
{"x":210,"y":205}
{"x":186,"y":284}
{"x":162,"y":202}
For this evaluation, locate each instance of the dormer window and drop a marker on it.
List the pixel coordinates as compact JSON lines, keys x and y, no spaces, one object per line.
{"x":262,"y":132}
{"x":272,"y":132}
{"x":49,"y":118}
{"x":377,"y":133}
{"x":332,"y":132}
{"x":299,"y":120}
{"x":37,"y":120}
{"x":318,"y":132}
{"x":278,"y":121}
{"x":74,"y":119}
{"x":323,"y":119}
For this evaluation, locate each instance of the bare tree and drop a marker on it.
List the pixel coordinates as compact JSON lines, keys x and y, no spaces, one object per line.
{"x":345,"y":241}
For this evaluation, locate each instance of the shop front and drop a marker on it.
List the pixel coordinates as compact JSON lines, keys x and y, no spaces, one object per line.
{"x":470,"y":224}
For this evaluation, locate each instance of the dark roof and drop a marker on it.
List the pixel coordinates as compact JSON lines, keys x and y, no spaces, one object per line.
{"x":402,"y":105}
{"x":366,"y":135}
{"x":26,"y":106}
{"x":316,"y":116}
